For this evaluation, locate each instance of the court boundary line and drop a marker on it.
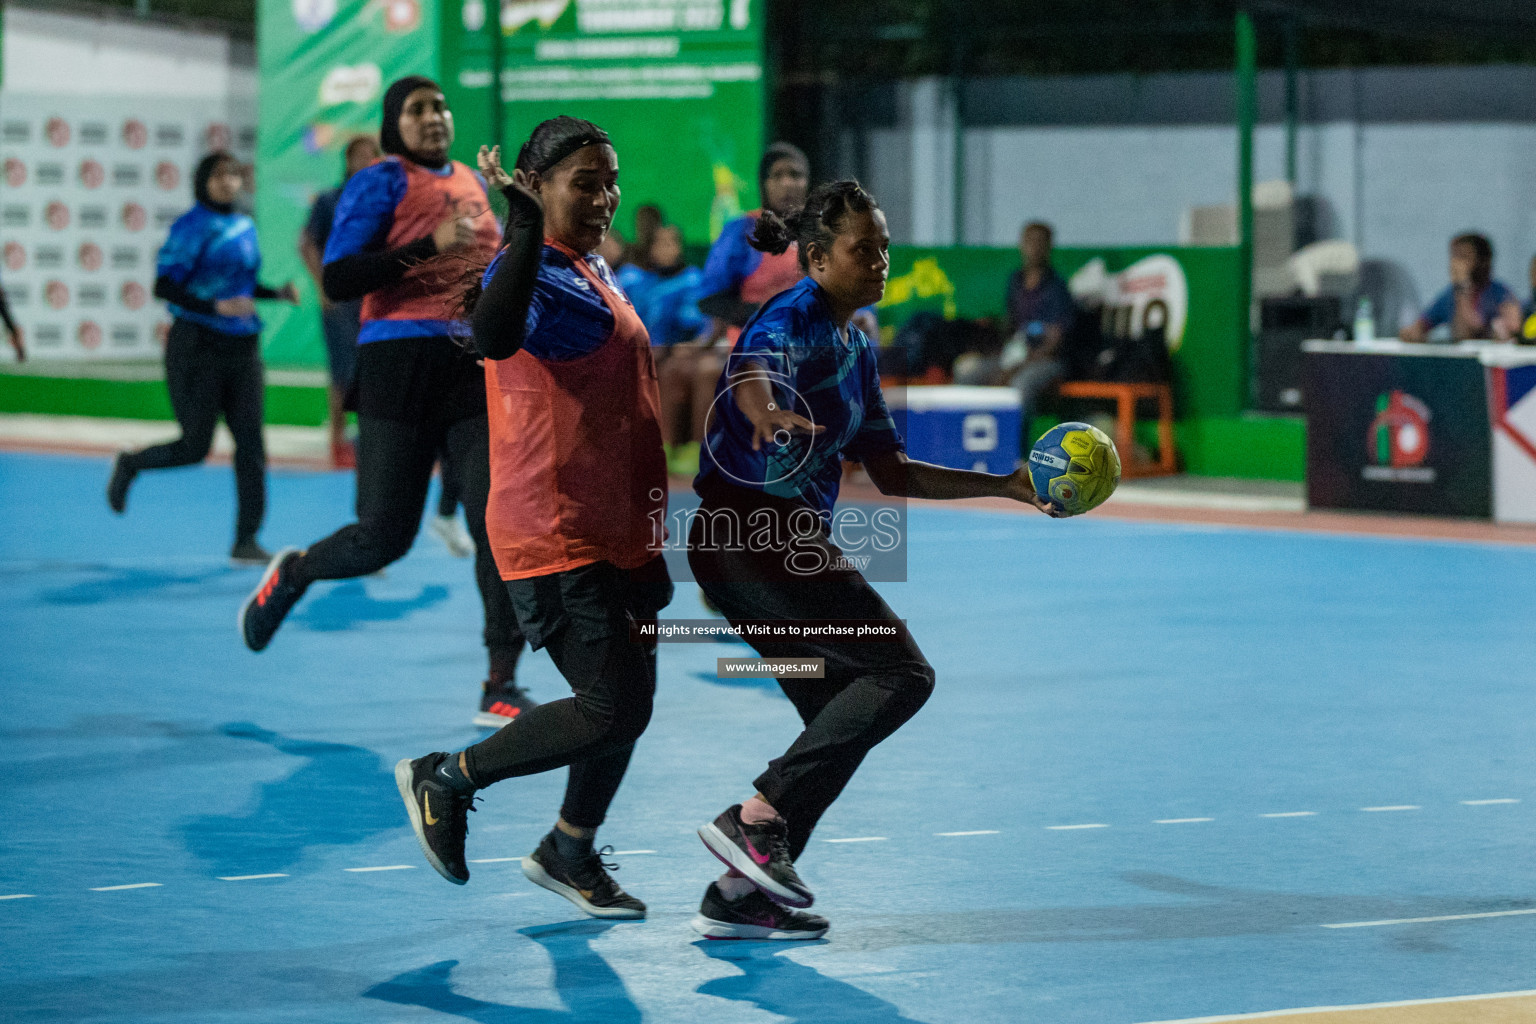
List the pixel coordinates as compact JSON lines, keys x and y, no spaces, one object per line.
{"x":1345,"y":1008}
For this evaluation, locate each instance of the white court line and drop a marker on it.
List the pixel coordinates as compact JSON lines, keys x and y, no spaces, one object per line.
{"x":1394,"y":807}
{"x":630,"y":853}
{"x":384,"y":867}
{"x":1069,"y":828}
{"x":858,"y":839}
{"x":133,"y":885}
{"x":489,"y":860}
{"x":249,"y":878}
{"x":19,"y":896}
{"x":1484,"y":803}
{"x":1290,"y":814}
{"x":1180,"y":821}
{"x":1428,"y":920}
{"x":1269,"y":1014}
{"x":978,"y":832}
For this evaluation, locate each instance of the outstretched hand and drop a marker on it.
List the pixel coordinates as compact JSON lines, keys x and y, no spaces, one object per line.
{"x":489,"y":160}
{"x":1021,"y":488}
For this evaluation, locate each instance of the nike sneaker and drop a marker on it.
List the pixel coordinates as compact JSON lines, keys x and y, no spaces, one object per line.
{"x":585,"y":882}
{"x":117,"y":487}
{"x":271,"y":601}
{"x":500,"y":702}
{"x":761,"y":852}
{"x":754,"y":916}
{"x":439,"y":815}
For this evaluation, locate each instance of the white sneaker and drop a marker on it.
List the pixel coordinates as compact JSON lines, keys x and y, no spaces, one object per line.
{"x":455,"y":538}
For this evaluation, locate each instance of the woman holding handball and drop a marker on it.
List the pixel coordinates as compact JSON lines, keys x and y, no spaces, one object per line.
{"x":799,"y":394}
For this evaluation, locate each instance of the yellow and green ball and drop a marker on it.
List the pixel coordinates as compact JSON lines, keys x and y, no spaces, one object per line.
{"x":1075,"y":466}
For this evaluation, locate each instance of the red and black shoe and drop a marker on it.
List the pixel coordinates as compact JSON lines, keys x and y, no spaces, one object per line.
{"x":502,"y":700}
{"x":272,"y":599}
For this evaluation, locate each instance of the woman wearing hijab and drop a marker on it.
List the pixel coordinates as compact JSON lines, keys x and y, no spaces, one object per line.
{"x":579,"y":491}
{"x":417,"y":389}
{"x":207,"y":274}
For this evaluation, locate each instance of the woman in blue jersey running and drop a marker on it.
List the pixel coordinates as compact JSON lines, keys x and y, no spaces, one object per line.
{"x":207,"y":275}
{"x":800,"y":394}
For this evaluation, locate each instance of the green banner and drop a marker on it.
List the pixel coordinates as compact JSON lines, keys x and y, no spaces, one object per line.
{"x":1188,"y":291}
{"x":677,"y":83}
{"x":324,"y":65}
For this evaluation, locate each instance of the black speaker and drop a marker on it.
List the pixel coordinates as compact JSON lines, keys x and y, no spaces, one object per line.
{"x":1283,"y":325}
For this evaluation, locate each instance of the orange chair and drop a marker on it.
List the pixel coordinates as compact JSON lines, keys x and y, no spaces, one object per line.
{"x":1125,"y":397}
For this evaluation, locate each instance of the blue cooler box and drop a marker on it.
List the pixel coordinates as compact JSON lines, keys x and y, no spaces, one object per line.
{"x":960,"y":427}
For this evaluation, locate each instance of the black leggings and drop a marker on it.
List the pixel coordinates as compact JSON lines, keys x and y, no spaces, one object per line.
{"x":870,"y":689}
{"x":207,"y":373}
{"x":583,"y":617}
{"x":402,"y":425}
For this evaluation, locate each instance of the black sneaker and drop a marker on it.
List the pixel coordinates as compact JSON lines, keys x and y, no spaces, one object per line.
{"x":500,"y":702}
{"x":585,"y":882}
{"x":248,"y":552}
{"x":759,"y":851}
{"x":439,"y":814}
{"x":754,"y":916}
{"x":271,"y":601}
{"x":117,"y":487}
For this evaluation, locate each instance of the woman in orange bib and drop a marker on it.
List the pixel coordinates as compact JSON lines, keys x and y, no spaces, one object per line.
{"x":577,"y":501}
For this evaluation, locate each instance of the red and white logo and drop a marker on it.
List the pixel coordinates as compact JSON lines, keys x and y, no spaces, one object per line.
{"x":167,"y":175}
{"x":57,"y":215}
{"x":134,"y":217}
{"x":134,"y":295}
{"x":90,"y":256}
{"x":401,"y":15}
{"x":92,"y":174}
{"x":15,"y":256}
{"x":56,"y":294}
{"x":89,"y":334}
{"x":57,"y":131}
{"x":135,"y":135}
{"x":15,"y":172}
{"x":218,"y":136}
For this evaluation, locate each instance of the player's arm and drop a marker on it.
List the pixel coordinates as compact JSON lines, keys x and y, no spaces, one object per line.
{"x":500,"y":319}
{"x":314,"y":262}
{"x":12,"y":331}
{"x":1506,"y":322}
{"x":897,"y":475}
{"x":355,"y":261}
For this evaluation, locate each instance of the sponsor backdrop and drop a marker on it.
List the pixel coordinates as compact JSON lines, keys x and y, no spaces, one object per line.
{"x":91,"y":185}
{"x":1398,"y":434}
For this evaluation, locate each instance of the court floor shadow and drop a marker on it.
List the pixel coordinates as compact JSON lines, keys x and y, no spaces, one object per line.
{"x":772,"y":982}
{"x":591,"y":990}
{"x":106,"y":584}
{"x":337,"y":797}
{"x":347,"y":604}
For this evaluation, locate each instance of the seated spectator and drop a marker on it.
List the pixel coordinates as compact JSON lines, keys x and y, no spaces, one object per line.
{"x":1474,"y":305}
{"x":664,"y":290}
{"x":1528,"y":332}
{"x":1040,"y":312}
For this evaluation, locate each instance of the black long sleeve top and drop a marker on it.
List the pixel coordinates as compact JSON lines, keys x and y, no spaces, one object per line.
{"x":500,"y":316}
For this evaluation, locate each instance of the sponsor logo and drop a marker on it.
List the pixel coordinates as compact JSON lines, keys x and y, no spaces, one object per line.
{"x":57,"y":131}
{"x":15,"y":172}
{"x":15,"y":256}
{"x":135,"y":134}
{"x":473,"y":15}
{"x":56,"y":294}
{"x":313,"y":15}
{"x":1397,"y":442}
{"x":350,"y":84}
{"x":168,"y":175}
{"x":92,"y":174}
{"x":134,"y":217}
{"x":90,"y":256}
{"x":134,"y":295}
{"x":218,"y":136}
{"x":89,"y":334}
{"x":401,"y":15}
{"x":57,"y":215}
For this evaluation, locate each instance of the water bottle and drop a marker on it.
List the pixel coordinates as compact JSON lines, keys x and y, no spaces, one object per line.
{"x":1365,"y":320}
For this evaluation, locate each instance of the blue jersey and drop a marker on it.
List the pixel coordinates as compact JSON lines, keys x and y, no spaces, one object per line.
{"x":214,"y":256}
{"x":566,"y":318}
{"x":362,"y":220}
{"x":731,"y":259}
{"x":1489,"y":301}
{"x":668,"y":305}
{"x":814,"y":372}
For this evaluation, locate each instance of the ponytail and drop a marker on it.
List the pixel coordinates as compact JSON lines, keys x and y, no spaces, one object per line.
{"x":826,"y":208}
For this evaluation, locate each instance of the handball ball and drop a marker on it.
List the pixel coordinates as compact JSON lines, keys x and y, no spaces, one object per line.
{"x":1075,"y":467}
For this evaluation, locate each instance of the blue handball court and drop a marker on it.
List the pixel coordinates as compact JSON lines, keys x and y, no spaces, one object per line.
{"x":1172,"y":771}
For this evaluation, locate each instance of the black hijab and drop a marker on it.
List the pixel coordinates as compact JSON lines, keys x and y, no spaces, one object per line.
{"x":205,"y":168}
{"x":394,"y":103}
